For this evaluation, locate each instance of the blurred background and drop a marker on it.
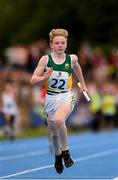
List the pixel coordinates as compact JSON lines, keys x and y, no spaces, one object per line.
{"x":93,"y":36}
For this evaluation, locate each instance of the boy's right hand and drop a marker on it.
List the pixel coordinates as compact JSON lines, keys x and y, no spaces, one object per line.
{"x":47,"y":73}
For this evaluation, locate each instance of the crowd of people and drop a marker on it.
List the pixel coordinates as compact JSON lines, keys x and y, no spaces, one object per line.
{"x":21,"y":104}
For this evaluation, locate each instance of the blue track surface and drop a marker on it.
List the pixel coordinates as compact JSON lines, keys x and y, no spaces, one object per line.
{"x":95,"y":155}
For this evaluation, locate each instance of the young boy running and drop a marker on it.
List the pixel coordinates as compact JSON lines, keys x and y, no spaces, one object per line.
{"x":55,"y":70}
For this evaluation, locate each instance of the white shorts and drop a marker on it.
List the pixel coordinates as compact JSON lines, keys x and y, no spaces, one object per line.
{"x":53,"y":102}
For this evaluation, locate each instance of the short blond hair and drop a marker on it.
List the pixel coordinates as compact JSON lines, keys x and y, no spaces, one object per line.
{"x":58,"y":32}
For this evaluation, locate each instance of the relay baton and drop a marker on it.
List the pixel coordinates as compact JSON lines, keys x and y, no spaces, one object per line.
{"x":85,"y":93}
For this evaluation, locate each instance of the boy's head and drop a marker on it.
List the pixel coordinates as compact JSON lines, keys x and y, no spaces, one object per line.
{"x":58,"y":32}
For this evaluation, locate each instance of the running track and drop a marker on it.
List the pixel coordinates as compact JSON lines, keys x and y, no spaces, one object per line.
{"x":95,"y":156}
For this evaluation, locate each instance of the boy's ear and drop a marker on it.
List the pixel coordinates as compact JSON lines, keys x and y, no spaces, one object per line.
{"x":50,"y":44}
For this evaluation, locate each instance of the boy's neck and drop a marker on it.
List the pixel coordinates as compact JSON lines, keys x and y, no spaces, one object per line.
{"x":59,"y":58}
{"x":58,"y":55}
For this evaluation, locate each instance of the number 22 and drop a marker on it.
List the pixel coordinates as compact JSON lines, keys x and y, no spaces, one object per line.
{"x":55,"y":84}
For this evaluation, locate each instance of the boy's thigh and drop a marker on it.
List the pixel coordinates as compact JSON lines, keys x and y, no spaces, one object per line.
{"x":63,"y":111}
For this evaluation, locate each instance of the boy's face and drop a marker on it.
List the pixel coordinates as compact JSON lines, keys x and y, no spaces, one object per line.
{"x":59,"y":44}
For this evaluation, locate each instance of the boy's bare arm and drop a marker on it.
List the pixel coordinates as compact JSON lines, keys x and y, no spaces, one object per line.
{"x":41,"y":73}
{"x":78,"y":72}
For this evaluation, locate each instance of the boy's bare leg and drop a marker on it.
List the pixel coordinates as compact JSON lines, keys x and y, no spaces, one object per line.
{"x":54,"y":137}
{"x":56,"y":145}
{"x":60,"y":117}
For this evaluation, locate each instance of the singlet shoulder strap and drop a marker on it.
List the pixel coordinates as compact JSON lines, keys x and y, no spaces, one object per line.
{"x":65,"y":66}
{"x":50,"y":61}
{"x":68,"y":58}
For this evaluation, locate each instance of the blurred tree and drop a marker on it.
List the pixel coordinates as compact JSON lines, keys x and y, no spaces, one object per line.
{"x":29,"y":20}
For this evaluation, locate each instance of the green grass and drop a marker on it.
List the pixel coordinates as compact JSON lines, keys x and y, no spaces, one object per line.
{"x":39,"y":132}
{"x":29,"y":132}
{"x":33,"y":132}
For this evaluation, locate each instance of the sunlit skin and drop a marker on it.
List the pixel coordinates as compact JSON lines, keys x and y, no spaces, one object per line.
{"x":58,"y":45}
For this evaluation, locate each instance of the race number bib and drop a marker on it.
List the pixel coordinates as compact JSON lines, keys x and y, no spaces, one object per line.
{"x":58,"y":81}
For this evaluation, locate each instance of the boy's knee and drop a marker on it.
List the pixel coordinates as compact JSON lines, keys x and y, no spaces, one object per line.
{"x":59,"y":121}
{"x":52,"y":127}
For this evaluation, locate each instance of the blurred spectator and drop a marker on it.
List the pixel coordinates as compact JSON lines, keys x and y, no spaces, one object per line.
{"x":85,"y":55}
{"x":17,"y":56}
{"x":33,"y":56}
{"x":100,"y":66}
{"x":113,"y":63}
{"x":95,"y":107}
{"x":80,"y":117}
{"x":26,"y":57}
{"x":108,"y":106}
{"x":37,"y":110}
{"x":2,"y":119}
{"x":10,"y":108}
{"x":1,"y":65}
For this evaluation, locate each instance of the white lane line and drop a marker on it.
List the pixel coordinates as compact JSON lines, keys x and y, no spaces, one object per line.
{"x":15,"y":146}
{"x":42,"y":152}
{"x":97,"y":155}
{"x":104,"y":153}
{"x":33,"y":153}
{"x":27,"y":171}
